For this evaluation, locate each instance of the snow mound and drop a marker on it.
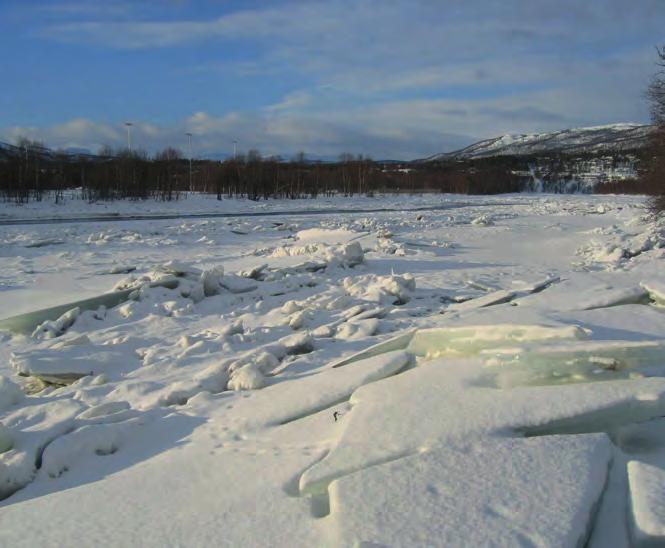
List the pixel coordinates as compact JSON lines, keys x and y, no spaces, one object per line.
{"x":391,"y":289}
{"x":343,"y":255}
{"x":65,"y":452}
{"x":247,"y":377}
{"x":326,"y":236}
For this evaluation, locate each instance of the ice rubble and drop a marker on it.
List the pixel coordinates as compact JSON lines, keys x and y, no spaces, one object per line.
{"x":171,"y":290}
{"x":623,"y":245}
{"x":437,"y":422}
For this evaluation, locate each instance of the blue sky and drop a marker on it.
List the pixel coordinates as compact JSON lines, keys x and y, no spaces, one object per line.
{"x":388,"y":78}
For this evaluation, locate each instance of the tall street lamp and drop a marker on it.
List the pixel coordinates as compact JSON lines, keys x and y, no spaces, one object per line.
{"x":129,"y":135}
{"x":189,"y":136}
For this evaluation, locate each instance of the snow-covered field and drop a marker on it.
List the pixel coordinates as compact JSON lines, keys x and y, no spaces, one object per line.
{"x":469,"y":371}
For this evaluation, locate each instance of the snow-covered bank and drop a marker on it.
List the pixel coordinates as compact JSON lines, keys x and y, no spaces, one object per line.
{"x":73,"y":207}
{"x":516,"y":399}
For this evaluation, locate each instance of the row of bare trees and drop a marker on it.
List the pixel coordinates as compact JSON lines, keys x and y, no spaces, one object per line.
{"x":28,"y":170}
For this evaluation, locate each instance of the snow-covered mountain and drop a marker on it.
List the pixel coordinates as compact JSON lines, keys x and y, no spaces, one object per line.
{"x":597,"y":139}
{"x":569,"y":160}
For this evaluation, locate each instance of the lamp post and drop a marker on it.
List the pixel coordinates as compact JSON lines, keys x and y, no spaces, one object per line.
{"x":189,"y":137}
{"x":129,"y":135}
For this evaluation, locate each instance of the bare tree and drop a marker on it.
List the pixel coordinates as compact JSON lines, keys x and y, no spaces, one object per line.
{"x":652,"y":176}
{"x":656,"y":90}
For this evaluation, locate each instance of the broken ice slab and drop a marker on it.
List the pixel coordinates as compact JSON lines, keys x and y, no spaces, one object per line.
{"x":65,"y":365}
{"x":537,"y":287}
{"x":502,"y":296}
{"x":647,"y":503}
{"x":26,"y":323}
{"x":237,"y":284}
{"x":496,"y":297}
{"x":255,"y":273}
{"x":438,"y":342}
{"x":117,"y":269}
{"x":470,"y":340}
{"x":44,"y":242}
{"x":574,"y":361}
{"x":656,"y":291}
{"x":515,"y":492}
{"x":396,"y":343}
{"x":523,"y":355}
{"x":615,"y":297}
{"x":51,"y":329}
{"x":475,"y":284}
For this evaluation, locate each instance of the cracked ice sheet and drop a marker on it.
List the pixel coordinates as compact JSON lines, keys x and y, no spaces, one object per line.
{"x":442,"y":402}
{"x":498,"y":492}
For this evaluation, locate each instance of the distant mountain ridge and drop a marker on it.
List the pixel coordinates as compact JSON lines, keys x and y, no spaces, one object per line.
{"x":595,"y":140}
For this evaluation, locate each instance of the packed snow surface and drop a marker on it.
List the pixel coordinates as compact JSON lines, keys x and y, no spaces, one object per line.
{"x":390,"y":371}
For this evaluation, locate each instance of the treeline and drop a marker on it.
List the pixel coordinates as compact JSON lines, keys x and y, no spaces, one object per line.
{"x":28,"y":171}
{"x":628,"y":186}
